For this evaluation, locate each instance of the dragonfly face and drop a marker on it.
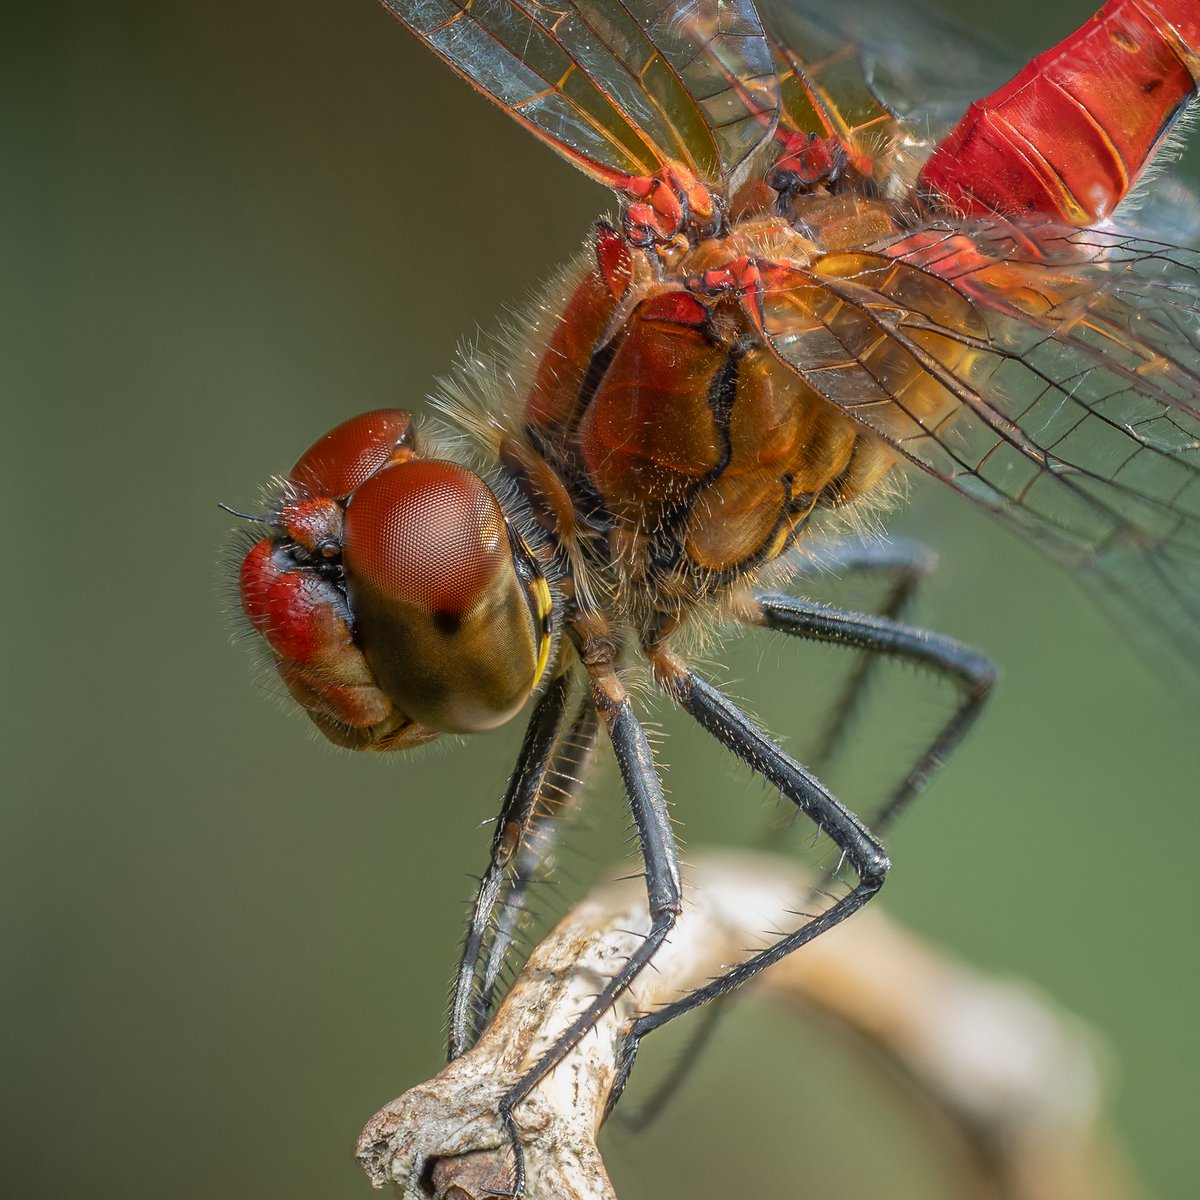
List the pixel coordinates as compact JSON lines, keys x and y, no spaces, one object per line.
{"x":397,"y":600}
{"x":814,"y":282}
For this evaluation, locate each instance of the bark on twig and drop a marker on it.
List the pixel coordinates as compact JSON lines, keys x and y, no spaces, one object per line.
{"x":1012,"y":1083}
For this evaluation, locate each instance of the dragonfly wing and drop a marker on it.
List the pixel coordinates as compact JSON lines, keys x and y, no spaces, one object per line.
{"x":618,"y":89}
{"x":874,"y":57}
{"x":1050,"y":375}
{"x":1163,"y":208}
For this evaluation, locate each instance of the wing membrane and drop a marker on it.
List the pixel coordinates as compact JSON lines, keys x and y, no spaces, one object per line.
{"x":617,"y":88}
{"x":824,"y":91}
{"x":1050,"y":376}
{"x":873,"y":57}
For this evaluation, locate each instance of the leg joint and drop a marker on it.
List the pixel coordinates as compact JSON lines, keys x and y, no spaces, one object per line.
{"x":872,"y":868}
{"x":981,"y":674}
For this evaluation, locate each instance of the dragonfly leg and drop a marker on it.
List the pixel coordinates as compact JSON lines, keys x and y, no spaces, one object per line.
{"x":882,"y":636}
{"x":660,"y":856}
{"x":878,"y":635}
{"x":904,"y":565}
{"x":559,"y":792}
{"x":512,"y":828}
{"x":732,"y":728}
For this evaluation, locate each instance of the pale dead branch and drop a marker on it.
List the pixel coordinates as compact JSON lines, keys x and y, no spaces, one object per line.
{"x":1011,"y":1083}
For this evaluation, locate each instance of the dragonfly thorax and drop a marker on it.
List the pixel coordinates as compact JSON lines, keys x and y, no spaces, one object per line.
{"x":662,"y":440}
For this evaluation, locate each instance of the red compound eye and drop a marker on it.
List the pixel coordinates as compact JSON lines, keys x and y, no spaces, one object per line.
{"x":428,"y":534}
{"x":439,"y":608}
{"x":346,"y":457}
{"x":390,"y":595}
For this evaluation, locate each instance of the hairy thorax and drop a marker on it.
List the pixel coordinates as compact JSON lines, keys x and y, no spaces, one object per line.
{"x":662,"y":441}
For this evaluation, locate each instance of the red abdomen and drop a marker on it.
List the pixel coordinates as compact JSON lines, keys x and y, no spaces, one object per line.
{"x":1068,"y":137}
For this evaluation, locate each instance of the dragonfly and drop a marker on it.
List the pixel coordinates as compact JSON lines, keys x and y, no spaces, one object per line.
{"x":814,"y":283}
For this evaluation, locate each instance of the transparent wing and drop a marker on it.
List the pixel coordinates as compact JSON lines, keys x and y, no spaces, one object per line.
{"x":1161,"y":207}
{"x":824,"y":89}
{"x":874,"y":59}
{"x":616,"y":86}
{"x":1052,"y":375}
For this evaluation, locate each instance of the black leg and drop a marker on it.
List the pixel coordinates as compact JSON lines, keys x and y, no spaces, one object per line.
{"x":904,"y":565}
{"x":652,"y":821}
{"x":650,"y":1109}
{"x":563,"y":780}
{"x":971,"y":671}
{"x":876,"y":637}
{"x":730,"y":726}
{"x":512,"y":827}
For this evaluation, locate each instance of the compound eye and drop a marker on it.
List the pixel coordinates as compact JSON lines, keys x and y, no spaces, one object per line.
{"x":440,"y":611}
{"x":346,"y":457}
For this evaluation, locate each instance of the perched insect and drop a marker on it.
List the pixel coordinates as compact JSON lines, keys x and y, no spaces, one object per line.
{"x":808,"y":288}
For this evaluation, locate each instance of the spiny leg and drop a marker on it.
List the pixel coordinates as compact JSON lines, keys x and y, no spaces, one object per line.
{"x":660,"y":856}
{"x":971,"y":672}
{"x":729,"y":725}
{"x":563,"y":780}
{"x":512,"y":827}
{"x":904,"y":564}
{"x":650,"y":1109}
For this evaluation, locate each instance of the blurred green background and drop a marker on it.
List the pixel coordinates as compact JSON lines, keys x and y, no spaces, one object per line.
{"x":227,"y":227}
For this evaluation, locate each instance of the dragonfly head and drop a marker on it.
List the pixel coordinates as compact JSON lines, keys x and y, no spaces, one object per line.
{"x":398,"y":600}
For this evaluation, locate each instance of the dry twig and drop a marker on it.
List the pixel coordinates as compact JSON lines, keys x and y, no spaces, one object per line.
{"x":1011,"y":1083}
